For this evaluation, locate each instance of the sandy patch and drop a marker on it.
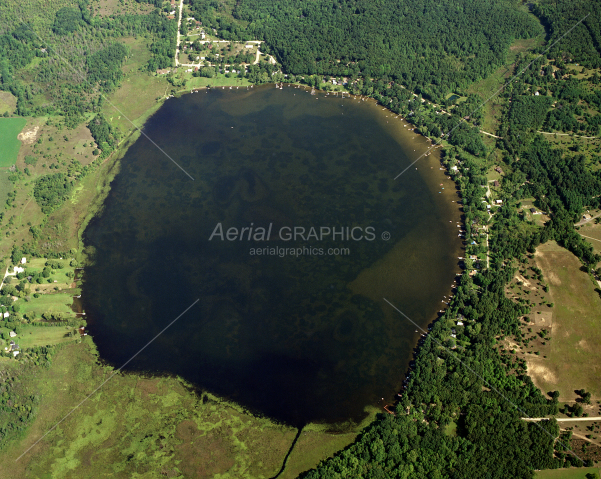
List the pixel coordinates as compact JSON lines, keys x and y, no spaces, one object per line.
{"x":28,"y":135}
{"x":584,"y":345}
{"x":553,"y":278}
{"x":539,"y":372}
{"x":542,"y":319}
{"x":522,"y":280}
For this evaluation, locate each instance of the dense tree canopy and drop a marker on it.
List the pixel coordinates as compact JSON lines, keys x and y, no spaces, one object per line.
{"x":51,"y":191}
{"x":67,"y":20}
{"x":427,"y":45}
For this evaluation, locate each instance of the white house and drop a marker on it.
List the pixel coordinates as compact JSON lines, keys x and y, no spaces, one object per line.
{"x":23,"y":260}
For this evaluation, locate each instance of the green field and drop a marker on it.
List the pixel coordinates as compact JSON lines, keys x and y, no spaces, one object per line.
{"x":31,"y":336}
{"x":219,"y":80}
{"x":47,"y":303}
{"x":572,"y":473}
{"x":7,"y":102}
{"x":9,"y":144}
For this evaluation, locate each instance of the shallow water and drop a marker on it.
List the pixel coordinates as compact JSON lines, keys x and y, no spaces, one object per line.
{"x":298,"y":338}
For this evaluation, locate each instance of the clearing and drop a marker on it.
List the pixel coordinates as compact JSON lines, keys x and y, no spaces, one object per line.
{"x":562,"y":330}
{"x":569,"y":473}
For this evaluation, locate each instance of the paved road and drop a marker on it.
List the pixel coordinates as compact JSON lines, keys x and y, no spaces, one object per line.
{"x":564,"y":419}
{"x":179,"y":23}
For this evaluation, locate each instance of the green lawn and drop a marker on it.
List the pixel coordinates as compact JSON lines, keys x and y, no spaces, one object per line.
{"x":31,"y":336}
{"x":60,"y":275}
{"x":47,"y":303}
{"x":571,"y":473}
{"x":9,"y":144}
{"x":217,"y":81}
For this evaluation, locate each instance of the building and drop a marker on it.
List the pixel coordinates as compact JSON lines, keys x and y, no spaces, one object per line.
{"x":12,"y":334}
{"x":496,"y":184}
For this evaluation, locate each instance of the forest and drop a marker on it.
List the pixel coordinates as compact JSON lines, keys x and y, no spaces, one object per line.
{"x":430,"y":47}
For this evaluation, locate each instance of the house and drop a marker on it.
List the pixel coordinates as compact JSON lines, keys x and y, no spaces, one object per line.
{"x":459,"y":323}
{"x":496,"y":184}
{"x":14,"y":348}
{"x":6,"y":315}
{"x":248,"y":46}
{"x":533,"y":211}
{"x":586,"y":217}
{"x":12,"y":334}
{"x":23,"y":260}
{"x":498,"y":170}
{"x":498,"y":202}
{"x":537,"y":94}
{"x":163,"y":71}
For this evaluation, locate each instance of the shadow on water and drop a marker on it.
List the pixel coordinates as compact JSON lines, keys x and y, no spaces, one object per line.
{"x":302,"y":337}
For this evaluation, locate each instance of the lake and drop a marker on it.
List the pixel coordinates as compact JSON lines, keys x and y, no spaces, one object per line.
{"x":290,"y":234}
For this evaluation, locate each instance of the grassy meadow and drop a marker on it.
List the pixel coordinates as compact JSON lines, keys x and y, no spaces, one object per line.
{"x":563,"y":327}
{"x":570,"y":473}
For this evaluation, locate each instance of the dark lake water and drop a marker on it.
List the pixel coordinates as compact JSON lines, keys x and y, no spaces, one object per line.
{"x":298,"y":338}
